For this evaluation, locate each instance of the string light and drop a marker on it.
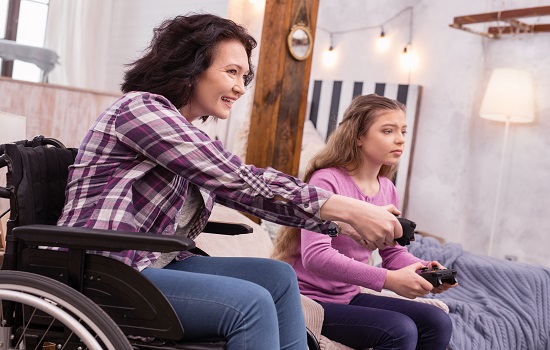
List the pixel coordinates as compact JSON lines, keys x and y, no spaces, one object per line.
{"x":382,"y":43}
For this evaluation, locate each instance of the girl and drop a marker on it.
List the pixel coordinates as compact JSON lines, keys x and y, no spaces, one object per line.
{"x":360,"y":158}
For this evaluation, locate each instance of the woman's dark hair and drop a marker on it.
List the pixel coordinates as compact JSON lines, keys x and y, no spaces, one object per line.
{"x":181,"y":49}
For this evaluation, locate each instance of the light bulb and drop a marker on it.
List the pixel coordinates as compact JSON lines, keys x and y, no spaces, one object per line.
{"x":409,"y":59}
{"x":383,"y":42}
{"x":330,"y":57}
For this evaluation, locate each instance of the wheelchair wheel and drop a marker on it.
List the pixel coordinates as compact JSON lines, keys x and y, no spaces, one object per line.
{"x":40,"y":313}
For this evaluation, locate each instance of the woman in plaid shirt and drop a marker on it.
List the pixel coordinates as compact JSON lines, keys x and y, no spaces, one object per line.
{"x":144,"y":167}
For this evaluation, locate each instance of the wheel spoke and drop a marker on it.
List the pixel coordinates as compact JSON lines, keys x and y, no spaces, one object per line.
{"x":66,"y":318}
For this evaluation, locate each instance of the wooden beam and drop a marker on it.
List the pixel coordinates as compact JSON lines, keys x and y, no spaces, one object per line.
{"x":469,"y":30}
{"x":502,"y":15}
{"x":536,"y":28}
{"x":282,"y":82}
{"x":518,"y":24}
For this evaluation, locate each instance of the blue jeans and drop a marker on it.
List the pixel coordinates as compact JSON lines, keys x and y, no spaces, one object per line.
{"x":372,"y":321}
{"x":252,"y":302}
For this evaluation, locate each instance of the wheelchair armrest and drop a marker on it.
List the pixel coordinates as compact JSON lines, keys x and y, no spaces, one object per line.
{"x":227,"y":228}
{"x":95,"y":239}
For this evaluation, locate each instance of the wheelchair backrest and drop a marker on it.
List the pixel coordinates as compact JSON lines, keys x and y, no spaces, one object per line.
{"x":37,"y":177}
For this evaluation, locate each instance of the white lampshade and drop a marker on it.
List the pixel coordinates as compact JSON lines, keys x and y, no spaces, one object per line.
{"x":12,"y":127}
{"x":509,"y":96}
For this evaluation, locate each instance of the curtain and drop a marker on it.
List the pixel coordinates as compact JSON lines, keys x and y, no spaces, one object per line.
{"x":78,"y":30}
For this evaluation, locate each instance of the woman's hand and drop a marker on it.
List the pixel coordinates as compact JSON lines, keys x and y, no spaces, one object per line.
{"x":380,"y":222}
{"x":407,"y":282}
{"x":377,"y":225}
{"x":445,"y":286}
{"x":348,"y":230}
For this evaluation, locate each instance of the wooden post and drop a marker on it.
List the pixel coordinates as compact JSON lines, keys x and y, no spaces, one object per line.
{"x":280,"y":98}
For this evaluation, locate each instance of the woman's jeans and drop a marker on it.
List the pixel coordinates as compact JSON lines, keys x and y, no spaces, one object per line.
{"x":373,"y":321}
{"x":252,"y":302}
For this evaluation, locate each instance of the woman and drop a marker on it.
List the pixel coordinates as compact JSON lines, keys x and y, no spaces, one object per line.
{"x":358,"y":161}
{"x":143,"y":163}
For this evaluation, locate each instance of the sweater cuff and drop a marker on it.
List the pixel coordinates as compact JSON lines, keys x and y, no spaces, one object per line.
{"x":377,"y":279}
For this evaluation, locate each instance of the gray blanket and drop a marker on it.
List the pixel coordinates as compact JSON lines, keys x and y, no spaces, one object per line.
{"x":498,"y":304}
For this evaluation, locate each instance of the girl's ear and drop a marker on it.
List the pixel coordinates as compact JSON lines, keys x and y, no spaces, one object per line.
{"x":359,"y":142}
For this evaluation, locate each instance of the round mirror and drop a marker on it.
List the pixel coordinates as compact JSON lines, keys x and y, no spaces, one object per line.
{"x":300,"y":42}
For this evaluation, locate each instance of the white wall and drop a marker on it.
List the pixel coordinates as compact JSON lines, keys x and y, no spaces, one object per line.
{"x":457,"y":154}
{"x":132,"y":28}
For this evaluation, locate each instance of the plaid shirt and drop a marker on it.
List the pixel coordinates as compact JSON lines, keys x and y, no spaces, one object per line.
{"x":134,"y":166}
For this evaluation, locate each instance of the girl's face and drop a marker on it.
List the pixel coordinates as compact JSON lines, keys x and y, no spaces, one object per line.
{"x":384,"y":141}
{"x":221,"y":84}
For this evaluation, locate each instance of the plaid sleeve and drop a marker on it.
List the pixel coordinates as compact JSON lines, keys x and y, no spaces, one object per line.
{"x":290,"y":201}
{"x":153,"y":127}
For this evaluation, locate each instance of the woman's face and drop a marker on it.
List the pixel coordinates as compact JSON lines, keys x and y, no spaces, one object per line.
{"x":384,"y":141}
{"x":221,"y":84}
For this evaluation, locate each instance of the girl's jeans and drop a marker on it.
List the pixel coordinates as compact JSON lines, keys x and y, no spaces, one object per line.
{"x":379,"y":322}
{"x":252,"y":302}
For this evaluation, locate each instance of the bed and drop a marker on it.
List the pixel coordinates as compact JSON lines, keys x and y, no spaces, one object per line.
{"x":499,"y":304}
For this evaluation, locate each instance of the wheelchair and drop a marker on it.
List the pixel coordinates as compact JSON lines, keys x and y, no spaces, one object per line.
{"x":68,"y":299}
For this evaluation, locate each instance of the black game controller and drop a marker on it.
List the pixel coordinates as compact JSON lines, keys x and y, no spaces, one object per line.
{"x":437,"y":277}
{"x":408,"y":231}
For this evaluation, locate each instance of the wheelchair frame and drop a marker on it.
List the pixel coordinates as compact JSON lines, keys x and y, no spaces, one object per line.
{"x":138,"y":314}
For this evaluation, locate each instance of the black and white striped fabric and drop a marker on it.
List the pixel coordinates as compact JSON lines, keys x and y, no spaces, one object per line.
{"x":329,"y":99}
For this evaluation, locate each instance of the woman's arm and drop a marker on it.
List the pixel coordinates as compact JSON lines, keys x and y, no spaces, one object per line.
{"x":151,"y":126}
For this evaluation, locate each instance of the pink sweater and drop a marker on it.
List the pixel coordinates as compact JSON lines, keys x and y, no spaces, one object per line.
{"x":332,"y":269}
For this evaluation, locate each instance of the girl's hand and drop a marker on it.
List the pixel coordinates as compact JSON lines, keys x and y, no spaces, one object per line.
{"x":445,"y":286}
{"x":407,"y":282}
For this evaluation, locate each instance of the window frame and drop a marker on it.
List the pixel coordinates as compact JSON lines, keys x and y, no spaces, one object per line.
{"x":11,"y":33}
{"x":12,"y":25}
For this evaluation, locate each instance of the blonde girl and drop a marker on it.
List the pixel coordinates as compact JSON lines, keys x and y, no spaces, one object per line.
{"x":359,"y":161}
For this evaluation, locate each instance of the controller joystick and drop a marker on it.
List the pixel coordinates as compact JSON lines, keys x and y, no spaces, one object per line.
{"x":408,"y":231}
{"x":437,"y":277}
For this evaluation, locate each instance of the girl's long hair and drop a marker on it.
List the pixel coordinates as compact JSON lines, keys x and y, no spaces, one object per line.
{"x":341,"y":151}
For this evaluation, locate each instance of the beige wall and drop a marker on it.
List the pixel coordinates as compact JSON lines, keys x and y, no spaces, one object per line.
{"x":53,"y":111}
